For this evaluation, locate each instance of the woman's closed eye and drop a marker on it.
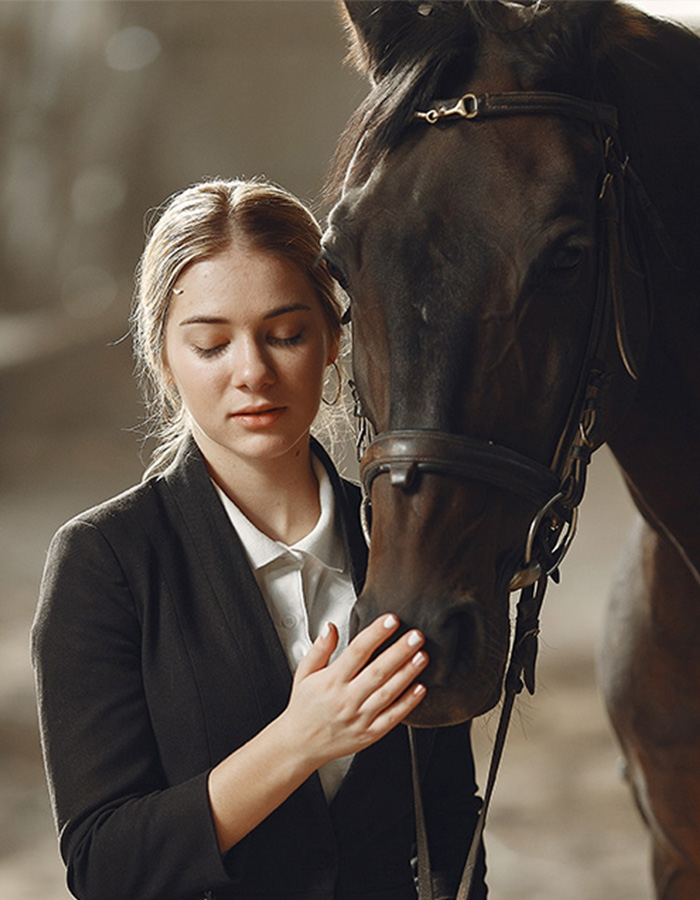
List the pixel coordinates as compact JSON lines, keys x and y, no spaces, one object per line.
{"x":210,"y":352}
{"x":214,"y":350}
{"x":282,"y":341}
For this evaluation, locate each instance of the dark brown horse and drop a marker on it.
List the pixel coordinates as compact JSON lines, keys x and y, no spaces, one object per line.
{"x":523,"y":263}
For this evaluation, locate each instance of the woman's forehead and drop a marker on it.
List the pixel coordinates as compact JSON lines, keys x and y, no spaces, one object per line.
{"x":243,"y":280}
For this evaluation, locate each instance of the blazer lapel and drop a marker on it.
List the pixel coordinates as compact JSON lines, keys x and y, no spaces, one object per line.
{"x":233,"y":586}
{"x":224,"y":565}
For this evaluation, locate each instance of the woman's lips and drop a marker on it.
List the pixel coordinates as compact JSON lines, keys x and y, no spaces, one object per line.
{"x":258,"y":418}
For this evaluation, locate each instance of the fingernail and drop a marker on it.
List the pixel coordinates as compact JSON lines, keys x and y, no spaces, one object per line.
{"x":391,"y":621}
{"x":418,"y":690}
{"x":419,"y":658}
{"x":326,"y":630}
{"x":414,"y":638}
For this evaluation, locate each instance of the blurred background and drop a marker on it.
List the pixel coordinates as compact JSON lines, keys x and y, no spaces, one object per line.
{"x":107,"y":108}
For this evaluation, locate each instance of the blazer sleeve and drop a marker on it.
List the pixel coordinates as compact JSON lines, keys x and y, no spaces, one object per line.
{"x":452,"y":808}
{"x":124,"y":832}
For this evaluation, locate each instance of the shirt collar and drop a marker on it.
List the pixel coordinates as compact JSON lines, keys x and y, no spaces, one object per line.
{"x":321,"y":542}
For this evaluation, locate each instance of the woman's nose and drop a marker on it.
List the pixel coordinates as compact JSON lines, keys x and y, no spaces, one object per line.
{"x":252,"y":367}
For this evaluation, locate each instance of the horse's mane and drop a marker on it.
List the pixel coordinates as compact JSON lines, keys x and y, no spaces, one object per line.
{"x":411,"y":61}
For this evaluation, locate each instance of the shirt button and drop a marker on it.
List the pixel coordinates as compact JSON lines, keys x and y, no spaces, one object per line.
{"x":299,"y":650}
{"x":289,"y":621}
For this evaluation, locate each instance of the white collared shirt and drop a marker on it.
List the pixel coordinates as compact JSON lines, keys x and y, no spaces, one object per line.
{"x":304,"y":585}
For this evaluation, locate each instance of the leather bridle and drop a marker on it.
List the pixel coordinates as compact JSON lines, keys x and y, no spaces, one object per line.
{"x":555,"y":491}
{"x":558,"y":489}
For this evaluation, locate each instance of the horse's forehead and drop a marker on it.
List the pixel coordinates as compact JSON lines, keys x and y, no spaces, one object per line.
{"x":518,"y":167}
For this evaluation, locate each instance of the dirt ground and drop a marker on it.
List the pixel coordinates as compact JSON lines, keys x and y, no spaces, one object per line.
{"x":562,"y":825}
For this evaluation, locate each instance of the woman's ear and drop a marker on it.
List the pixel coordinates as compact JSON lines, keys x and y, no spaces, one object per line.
{"x":165,"y":366}
{"x":333,"y":349}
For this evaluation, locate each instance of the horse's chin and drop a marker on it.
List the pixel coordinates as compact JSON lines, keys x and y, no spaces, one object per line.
{"x":444,"y":706}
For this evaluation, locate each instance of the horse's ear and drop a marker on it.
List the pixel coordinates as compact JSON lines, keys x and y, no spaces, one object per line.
{"x":385,"y":34}
{"x":562,"y":37}
{"x":366,"y":23}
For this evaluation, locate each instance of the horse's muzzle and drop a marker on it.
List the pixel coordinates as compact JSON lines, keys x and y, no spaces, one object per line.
{"x":460,"y":676}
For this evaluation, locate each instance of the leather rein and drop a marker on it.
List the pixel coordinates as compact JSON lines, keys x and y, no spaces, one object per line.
{"x":557,"y":490}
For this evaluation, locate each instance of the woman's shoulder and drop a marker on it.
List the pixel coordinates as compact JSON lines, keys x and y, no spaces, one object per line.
{"x":132,"y":503}
{"x":149,"y":502}
{"x":117,"y":525}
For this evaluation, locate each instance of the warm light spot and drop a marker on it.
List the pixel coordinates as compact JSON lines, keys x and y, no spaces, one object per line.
{"x":88,"y":291}
{"x":132,"y":48}
{"x":97,"y":192}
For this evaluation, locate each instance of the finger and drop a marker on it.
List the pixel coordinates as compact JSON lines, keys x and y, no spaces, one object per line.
{"x":386,"y":664}
{"x":398,"y":711}
{"x":394,"y":686}
{"x":320,"y":653}
{"x":362,"y":647}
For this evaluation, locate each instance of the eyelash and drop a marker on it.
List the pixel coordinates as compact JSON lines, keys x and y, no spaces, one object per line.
{"x":213,"y":352}
{"x":209,"y":352}
{"x":287,"y":342}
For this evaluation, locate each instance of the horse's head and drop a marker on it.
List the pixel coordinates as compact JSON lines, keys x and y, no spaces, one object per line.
{"x":472,"y":249}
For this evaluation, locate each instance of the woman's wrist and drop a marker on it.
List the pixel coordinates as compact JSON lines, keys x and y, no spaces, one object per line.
{"x":254,"y":780}
{"x":300,"y":749}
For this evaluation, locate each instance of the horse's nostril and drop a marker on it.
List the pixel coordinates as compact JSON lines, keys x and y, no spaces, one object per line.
{"x":461,"y":637}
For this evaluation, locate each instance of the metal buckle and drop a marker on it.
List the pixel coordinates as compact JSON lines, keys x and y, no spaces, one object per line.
{"x":531,"y":570}
{"x":467,"y":107}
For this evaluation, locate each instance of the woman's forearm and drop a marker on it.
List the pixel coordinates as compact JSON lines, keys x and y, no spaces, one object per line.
{"x":254,"y":780}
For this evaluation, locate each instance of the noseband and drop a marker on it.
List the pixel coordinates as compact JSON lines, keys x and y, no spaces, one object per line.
{"x":557,"y":490}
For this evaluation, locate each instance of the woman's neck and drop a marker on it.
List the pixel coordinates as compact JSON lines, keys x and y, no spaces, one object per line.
{"x":279,"y":496}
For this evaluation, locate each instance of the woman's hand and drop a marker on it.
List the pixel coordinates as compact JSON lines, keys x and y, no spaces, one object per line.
{"x":342,"y":707}
{"x":335,"y":709}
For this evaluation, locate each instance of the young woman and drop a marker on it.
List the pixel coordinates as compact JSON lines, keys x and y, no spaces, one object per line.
{"x":208,"y":730}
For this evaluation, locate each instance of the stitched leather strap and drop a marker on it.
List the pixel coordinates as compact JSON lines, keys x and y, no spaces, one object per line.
{"x":425,"y":881}
{"x":405,"y":454}
{"x":521,"y":672}
{"x":532,"y":103}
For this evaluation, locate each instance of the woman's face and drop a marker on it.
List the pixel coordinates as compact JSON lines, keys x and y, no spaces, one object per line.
{"x":246,"y":345}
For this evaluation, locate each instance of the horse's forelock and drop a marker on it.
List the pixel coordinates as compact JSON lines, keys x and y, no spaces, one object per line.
{"x":416,"y":63}
{"x":412,"y":59}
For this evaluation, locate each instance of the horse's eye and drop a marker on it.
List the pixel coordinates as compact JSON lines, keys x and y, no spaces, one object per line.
{"x":566,"y":259}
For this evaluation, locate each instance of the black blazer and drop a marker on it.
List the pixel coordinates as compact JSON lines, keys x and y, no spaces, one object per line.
{"x":155,"y":658}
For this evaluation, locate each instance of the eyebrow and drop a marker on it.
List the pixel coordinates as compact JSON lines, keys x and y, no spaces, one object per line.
{"x":283,"y":310}
{"x":222,"y":320}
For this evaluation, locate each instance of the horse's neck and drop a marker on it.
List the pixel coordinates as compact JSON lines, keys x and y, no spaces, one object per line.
{"x":658,"y":447}
{"x":657,"y":91}
{"x":658,"y":442}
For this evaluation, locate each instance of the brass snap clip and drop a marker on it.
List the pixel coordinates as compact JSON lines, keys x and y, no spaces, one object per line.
{"x":467,"y":107}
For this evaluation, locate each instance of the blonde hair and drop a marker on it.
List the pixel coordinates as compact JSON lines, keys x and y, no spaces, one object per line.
{"x":196,"y":224}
